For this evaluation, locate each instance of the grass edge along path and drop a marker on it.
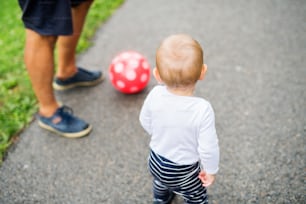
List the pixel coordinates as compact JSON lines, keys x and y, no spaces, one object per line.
{"x":17,"y":101}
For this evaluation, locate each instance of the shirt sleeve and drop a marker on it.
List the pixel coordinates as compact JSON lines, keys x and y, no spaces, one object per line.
{"x":145,"y":116}
{"x":208,"y":146}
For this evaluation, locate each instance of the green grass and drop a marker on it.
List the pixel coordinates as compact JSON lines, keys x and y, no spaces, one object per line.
{"x":17,"y":100}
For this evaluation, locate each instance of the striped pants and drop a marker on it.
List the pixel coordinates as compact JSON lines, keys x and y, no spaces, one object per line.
{"x":171,"y":178}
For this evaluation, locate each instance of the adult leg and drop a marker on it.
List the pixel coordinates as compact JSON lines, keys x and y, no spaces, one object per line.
{"x":39,"y":61}
{"x":41,"y":32}
{"x":68,"y":74}
{"x":67,"y":44}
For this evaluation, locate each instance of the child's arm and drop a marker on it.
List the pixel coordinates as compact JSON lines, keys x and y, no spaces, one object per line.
{"x":206,"y":179}
{"x":145,"y":116}
{"x":208,"y":149}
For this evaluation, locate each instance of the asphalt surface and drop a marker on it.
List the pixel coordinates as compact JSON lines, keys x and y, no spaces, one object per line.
{"x":256,"y":82}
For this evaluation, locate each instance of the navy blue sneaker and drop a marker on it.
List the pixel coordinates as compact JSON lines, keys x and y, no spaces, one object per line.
{"x":65,"y":124}
{"x":83,"y":77}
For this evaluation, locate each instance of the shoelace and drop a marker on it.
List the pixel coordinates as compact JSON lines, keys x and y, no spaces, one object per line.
{"x":65,"y":112}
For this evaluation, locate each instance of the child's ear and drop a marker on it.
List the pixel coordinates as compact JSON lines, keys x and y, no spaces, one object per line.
{"x":203,"y":72}
{"x":156,"y":75}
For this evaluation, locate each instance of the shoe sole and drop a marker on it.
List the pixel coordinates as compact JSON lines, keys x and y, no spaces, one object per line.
{"x":78,"y":84}
{"x":68,"y":135}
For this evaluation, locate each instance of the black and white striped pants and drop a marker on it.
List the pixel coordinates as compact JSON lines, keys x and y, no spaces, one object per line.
{"x":170,"y":178}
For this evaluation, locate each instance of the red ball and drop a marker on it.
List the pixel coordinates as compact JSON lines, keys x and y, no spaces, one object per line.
{"x":129,"y":72}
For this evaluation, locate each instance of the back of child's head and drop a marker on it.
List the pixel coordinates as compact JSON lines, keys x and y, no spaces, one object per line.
{"x":179,"y":60}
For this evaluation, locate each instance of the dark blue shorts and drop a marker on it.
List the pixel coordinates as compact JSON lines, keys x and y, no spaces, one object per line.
{"x":48,"y":17}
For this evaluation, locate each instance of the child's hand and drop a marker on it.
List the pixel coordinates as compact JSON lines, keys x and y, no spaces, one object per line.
{"x":207,"y":179}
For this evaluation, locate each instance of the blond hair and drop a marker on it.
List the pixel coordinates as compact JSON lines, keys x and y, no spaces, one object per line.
{"x":179,"y":60}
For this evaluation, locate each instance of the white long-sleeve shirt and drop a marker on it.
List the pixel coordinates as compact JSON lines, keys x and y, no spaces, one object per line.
{"x":182,"y":128}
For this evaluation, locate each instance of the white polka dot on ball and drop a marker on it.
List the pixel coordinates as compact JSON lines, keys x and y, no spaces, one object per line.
{"x":118,"y":67}
{"x":131,"y":75}
{"x":145,"y":65}
{"x":120,"y":84}
{"x":144,"y":77}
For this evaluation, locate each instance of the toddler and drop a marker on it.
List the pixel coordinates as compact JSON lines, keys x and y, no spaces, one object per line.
{"x":184,"y":150}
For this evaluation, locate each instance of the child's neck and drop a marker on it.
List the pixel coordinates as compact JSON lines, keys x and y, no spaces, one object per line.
{"x":181,"y":91}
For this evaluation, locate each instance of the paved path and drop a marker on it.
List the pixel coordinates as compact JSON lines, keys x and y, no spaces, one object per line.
{"x":255,"y":51}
